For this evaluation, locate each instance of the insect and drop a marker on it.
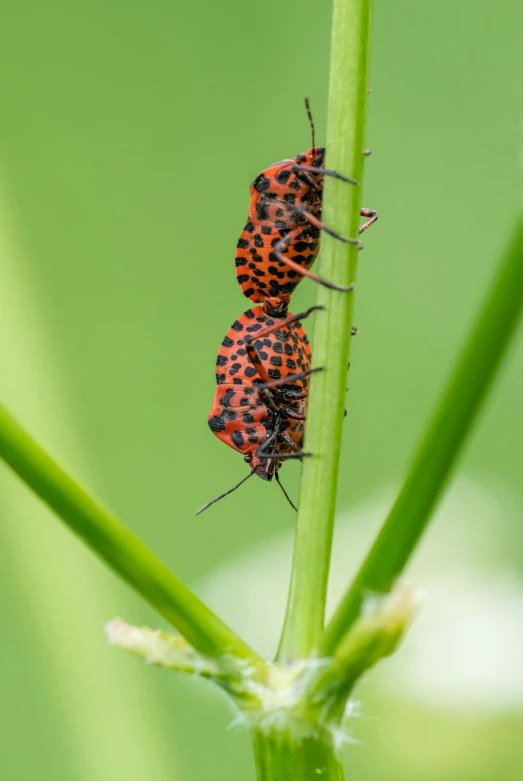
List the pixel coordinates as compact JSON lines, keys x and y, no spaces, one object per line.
{"x":281,"y":239}
{"x":259,"y":409}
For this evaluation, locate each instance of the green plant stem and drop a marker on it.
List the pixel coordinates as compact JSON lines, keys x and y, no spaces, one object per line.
{"x":440,"y":447}
{"x":304,"y":619}
{"x":283,"y":753}
{"x":117,"y":546}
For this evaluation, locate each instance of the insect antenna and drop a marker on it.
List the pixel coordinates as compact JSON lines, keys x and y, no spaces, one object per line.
{"x":276,"y":475}
{"x":217,"y":499}
{"x":309,"y":114}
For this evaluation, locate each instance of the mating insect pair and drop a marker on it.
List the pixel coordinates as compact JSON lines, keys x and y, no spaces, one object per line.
{"x":265,"y":418}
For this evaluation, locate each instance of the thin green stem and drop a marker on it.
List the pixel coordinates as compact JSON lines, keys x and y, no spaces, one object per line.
{"x":346,"y":125}
{"x":117,"y":546}
{"x":441,"y":445}
{"x":301,"y":752}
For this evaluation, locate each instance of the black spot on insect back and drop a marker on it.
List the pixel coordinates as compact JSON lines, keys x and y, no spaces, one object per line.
{"x":216,"y":424}
{"x":283,"y":176}
{"x":221,"y":360}
{"x":262,"y":210}
{"x":227,"y":397}
{"x":237,"y":438}
{"x":261,"y":183}
{"x":227,"y":342}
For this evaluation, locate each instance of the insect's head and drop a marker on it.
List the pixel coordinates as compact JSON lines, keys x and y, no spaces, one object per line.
{"x":263,"y":467}
{"x":314,"y":157}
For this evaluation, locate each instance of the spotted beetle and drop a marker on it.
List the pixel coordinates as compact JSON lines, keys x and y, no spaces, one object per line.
{"x":281,"y":239}
{"x":262,"y":375}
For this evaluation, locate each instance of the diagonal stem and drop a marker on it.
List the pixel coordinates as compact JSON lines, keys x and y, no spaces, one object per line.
{"x":118,"y":547}
{"x":439,"y":449}
{"x":304,"y":619}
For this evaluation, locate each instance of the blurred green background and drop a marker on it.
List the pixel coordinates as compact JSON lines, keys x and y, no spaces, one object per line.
{"x":130,"y":134}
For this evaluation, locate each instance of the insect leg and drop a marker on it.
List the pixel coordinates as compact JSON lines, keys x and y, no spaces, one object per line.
{"x":276,"y":475}
{"x":289,"y":378}
{"x":298,"y":167}
{"x":321,"y":226}
{"x":252,"y":351}
{"x":372,"y":213}
{"x":287,"y":412}
{"x":282,"y":245}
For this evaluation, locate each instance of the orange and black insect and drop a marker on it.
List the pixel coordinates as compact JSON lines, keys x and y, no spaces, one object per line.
{"x":259,"y":409}
{"x":281,"y":239}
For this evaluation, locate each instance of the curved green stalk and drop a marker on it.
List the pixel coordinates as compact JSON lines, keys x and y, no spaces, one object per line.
{"x":345,"y":143}
{"x":442,"y":443}
{"x":118,"y":547}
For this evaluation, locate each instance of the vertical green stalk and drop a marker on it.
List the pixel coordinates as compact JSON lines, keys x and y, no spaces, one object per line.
{"x":281,"y":753}
{"x":345,"y":143}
